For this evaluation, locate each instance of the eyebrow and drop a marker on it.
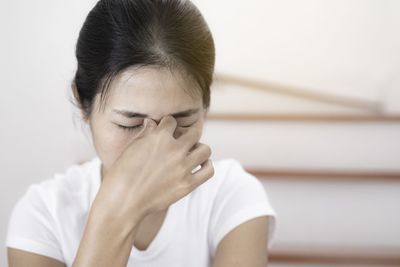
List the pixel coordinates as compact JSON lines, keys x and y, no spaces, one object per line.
{"x":132,"y":114}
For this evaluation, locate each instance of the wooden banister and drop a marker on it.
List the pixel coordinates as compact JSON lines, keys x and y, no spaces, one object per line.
{"x":324,"y":254}
{"x":323,"y":174}
{"x":328,"y":118}
{"x":298,"y":92}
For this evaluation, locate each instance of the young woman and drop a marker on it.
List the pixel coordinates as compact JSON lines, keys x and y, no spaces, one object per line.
{"x":151,"y":196}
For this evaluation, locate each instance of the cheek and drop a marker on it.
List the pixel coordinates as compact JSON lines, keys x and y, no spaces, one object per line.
{"x":110,"y":142}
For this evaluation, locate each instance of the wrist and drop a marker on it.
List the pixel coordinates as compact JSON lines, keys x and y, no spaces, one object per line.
{"x":115,"y":220}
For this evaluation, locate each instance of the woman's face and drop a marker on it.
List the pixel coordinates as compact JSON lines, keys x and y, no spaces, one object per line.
{"x":136,"y":94}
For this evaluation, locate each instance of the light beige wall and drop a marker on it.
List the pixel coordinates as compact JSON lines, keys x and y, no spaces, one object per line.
{"x":343,"y":47}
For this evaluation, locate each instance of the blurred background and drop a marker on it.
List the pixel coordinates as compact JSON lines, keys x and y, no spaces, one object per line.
{"x":306,"y":95}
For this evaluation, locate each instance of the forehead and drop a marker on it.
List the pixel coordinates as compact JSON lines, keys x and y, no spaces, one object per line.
{"x":153,"y":90}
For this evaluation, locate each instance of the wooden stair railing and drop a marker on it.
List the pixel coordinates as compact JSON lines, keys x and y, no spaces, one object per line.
{"x":335,"y":255}
{"x":317,"y":118}
{"x":291,"y":174}
{"x":374,"y":107}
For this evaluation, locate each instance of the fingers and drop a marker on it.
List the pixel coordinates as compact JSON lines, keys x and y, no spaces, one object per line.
{"x":168,"y":123}
{"x":202,"y":175}
{"x":148,"y":126}
{"x":198,"y":155}
{"x":190,"y":138}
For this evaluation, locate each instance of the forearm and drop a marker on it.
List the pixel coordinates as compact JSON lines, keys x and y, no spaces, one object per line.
{"x":107,"y":241}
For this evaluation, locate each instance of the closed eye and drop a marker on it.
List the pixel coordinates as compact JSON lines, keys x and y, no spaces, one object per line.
{"x":129,"y":128}
{"x":132,"y":128}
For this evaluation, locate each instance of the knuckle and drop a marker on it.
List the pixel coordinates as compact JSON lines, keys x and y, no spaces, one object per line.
{"x":208,"y":150}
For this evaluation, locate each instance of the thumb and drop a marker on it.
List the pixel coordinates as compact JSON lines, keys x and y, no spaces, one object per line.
{"x":148,"y":126}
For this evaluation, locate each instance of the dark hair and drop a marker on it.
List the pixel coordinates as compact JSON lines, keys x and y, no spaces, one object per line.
{"x":118,"y":34}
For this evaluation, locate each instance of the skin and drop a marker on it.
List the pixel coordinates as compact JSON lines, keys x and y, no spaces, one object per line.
{"x":156,"y":92}
{"x":151,"y":91}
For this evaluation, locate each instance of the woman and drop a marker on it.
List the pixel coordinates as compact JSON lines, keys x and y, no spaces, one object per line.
{"x":151,"y":197}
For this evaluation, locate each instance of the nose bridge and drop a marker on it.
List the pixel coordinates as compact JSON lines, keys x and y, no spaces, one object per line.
{"x":158,"y":121}
{"x":177,"y":133}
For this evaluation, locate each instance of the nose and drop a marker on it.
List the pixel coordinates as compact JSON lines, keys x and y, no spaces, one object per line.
{"x":157,"y":121}
{"x":177,"y":132}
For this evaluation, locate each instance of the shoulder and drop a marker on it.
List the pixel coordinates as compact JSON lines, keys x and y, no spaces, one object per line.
{"x":77,"y":182}
{"x":230,"y":175}
{"x":235,"y":196}
{"x":230,"y":192}
{"x":76,"y":178}
{"x":37,"y":219}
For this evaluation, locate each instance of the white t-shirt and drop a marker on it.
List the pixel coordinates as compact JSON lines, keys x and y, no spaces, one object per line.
{"x":49,"y":218}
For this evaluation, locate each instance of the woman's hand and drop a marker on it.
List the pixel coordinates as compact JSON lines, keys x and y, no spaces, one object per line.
{"x":154,"y":171}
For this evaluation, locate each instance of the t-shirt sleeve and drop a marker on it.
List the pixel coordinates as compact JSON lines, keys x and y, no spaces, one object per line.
{"x":240,"y":197}
{"x":30,"y":226}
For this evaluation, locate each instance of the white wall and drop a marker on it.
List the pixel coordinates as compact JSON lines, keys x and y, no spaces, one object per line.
{"x":37,"y":134}
{"x":304,"y":43}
